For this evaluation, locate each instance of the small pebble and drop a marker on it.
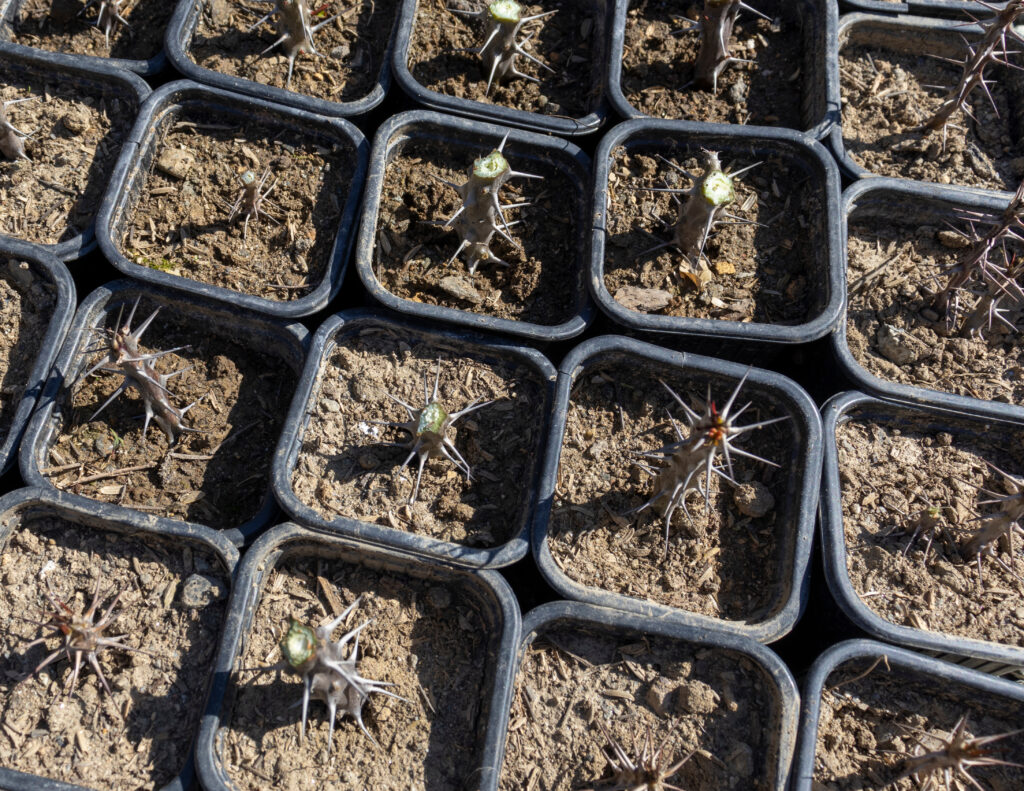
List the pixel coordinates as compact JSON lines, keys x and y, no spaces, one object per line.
{"x":753,"y":499}
{"x":331,"y":405}
{"x":175,"y":162}
{"x":199,"y":591}
{"x":439,"y":597}
{"x":103,"y":446}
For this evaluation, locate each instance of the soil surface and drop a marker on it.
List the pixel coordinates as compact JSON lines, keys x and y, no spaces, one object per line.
{"x":885,"y":102}
{"x":713,"y":703}
{"x":723,"y":562}
{"x":217,"y":475}
{"x":182,"y":222}
{"x":868,"y":727}
{"x":348,"y":467}
{"x":351,"y":49}
{"x":569,"y":42}
{"x":891,"y":473}
{"x":26,"y":307}
{"x":172,"y":603}
{"x":426,"y":638}
{"x":893,"y":330}
{"x":763,"y":273}
{"x":63,"y":26}
{"x":544,"y":279}
{"x":76,"y":135}
{"x":658,"y":58}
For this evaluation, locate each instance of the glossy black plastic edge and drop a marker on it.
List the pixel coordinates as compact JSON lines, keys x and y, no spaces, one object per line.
{"x":578,"y":613}
{"x":144,"y":68}
{"x":70,"y":363}
{"x":388,"y":135}
{"x":958,"y":8}
{"x":485,"y":111}
{"x":60,"y":280}
{"x":52,"y":65}
{"x":807,"y":467}
{"x":260,"y":558}
{"x":72,"y":509}
{"x":114,"y":205}
{"x":915,"y":193}
{"x":910,"y":25}
{"x":833,"y":546}
{"x":691,"y":133}
{"x":803,"y":765}
{"x":286,"y":456}
{"x":178,"y":40}
{"x":819,"y":115}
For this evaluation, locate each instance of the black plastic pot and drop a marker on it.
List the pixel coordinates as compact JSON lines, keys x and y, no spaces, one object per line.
{"x":92,"y":78}
{"x":496,"y":113}
{"x":945,"y":679}
{"x":178,"y":44}
{"x":89,"y":516}
{"x":144,"y":68}
{"x":352,"y":323}
{"x":54,"y":274}
{"x":817,"y":23}
{"x":938,"y":8}
{"x":711,"y":336}
{"x":485,"y":591}
{"x":472,"y":139}
{"x":136,"y":163}
{"x":924,"y":36}
{"x":992,"y":657}
{"x":601,"y":622}
{"x":283,"y":344}
{"x":929,"y":205}
{"x":797,"y":503}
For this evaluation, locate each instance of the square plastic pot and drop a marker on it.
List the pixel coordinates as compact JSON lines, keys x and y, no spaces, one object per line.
{"x":89,"y":516}
{"x":908,"y":35}
{"x":136,"y":163}
{"x":497,"y":113}
{"x":712,"y":336}
{"x":930,"y":205}
{"x":474,"y":139}
{"x":286,"y":344}
{"x":54,"y":274}
{"x":796,"y":502}
{"x":89,"y":78}
{"x":148,"y":67}
{"x":817,"y":23}
{"x":350,"y":324}
{"x":484,"y":591}
{"x":178,"y":45}
{"x":997,"y":658}
{"x":627,"y":628}
{"x":934,"y":8}
{"x":947,"y":680}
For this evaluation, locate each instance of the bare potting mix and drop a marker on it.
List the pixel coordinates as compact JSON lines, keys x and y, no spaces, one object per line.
{"x":474,"y":395}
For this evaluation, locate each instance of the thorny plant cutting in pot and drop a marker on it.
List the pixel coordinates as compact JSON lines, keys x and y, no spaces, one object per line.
{"x":535,"y":58}
{"x":129,"y":29}
{"x":330,"y":50}
{"x":883,"y":727}
{"x":423,"y":437}
{"x":669,"y":496}
{"x":250,"y":207}
{"x":710,"y":235}
{"x":491,"y":239}
{"x":107,"y":640}
{"x":897,"y":121}
{"x":932,"y":525}
{"x":379,"y":667}
{"x":721,"y":61}
{"x":214,"y":404}
{"x":940,"y":308}
{"x":58,"y":141}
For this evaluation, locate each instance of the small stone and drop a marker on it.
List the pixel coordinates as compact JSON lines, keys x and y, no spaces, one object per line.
{"x":659,"y":695}
{"x":199,"y":591}
{"x":439,"y":597}
{"x":753,"y":499}
{"x":738,"y":91}
{"x":103,"y":446}
{"x":368,"y":461}
{"x":893,"y":345}
{"x":330,"y":405}
{"x":725,"y":268}
{"x":552,"y":108}
{"x":175,"y":162}
{"x":696,"y":697}
{"x":643,"y":299}
{"x":460,"y":288}
{"x":953,"y":240}
{"x":597,"y":450}
{"x":77,"y":121}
